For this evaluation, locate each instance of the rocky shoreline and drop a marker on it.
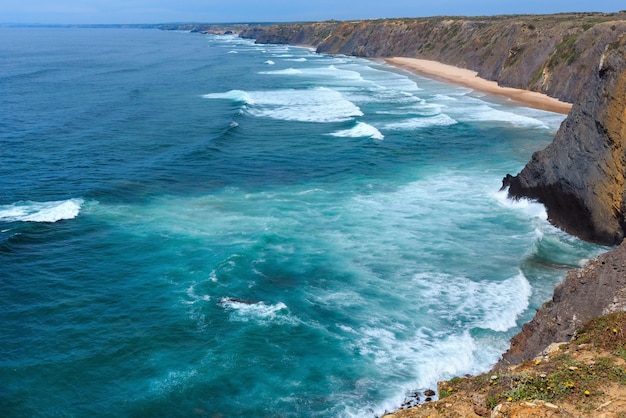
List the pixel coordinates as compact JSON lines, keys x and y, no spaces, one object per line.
{"x":599,"y":288}
{"x":569,"y":361}
{"x":580,"y":177}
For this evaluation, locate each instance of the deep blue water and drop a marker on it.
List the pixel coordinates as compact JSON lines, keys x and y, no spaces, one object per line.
{"x":195,"y":225}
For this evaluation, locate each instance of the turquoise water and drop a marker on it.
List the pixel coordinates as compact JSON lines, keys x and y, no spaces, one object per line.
{"x":195,"y":225}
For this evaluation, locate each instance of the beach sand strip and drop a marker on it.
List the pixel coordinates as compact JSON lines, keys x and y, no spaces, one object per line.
{"x":469,"y":78}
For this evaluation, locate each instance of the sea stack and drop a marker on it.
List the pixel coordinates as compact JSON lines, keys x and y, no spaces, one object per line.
{"x":580,"y":176}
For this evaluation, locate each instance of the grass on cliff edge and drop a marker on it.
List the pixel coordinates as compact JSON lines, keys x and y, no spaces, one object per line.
{"x":577,"y":374}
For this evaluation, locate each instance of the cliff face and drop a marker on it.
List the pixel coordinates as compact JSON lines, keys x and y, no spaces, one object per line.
{"x":554,"y":54}
{"x":597,"y":289}
{"x":580,"y":176}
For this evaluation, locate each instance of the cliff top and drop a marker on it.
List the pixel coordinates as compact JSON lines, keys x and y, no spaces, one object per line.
{"x":585,"y":377}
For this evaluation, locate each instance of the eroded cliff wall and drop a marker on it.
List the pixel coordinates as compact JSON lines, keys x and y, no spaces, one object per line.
{"x":597,"y":289}
{"x":580,"y":176}
{"x":553,"y":54}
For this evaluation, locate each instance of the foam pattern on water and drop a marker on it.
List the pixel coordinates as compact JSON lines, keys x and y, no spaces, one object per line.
{"x":40,"y":211}
{"x":198,"y":224}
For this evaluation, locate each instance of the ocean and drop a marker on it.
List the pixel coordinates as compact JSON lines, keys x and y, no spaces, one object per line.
{"x":195,"y":225}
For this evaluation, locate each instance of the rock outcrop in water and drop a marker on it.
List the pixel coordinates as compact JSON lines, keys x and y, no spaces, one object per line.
{"x":580,"y":176}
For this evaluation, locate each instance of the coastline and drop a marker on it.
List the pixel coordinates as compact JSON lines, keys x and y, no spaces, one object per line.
{"x":469,"y":78}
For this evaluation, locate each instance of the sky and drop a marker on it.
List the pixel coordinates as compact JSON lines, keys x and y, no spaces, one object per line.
{"x":220,"y":11}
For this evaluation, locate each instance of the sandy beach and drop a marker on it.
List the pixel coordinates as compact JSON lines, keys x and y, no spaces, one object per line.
{"x":469,"y":78}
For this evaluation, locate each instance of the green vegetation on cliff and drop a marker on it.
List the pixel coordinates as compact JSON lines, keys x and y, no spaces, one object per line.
{"x":585,"y":377}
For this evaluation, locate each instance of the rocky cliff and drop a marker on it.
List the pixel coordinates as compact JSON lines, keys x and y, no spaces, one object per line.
{"x":580,"y":176}
{"x":552,"y":54}
{"x":597,"y":289}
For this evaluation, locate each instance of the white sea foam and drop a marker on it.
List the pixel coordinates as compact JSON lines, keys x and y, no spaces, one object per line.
{"x":309,"y":105}
{"x":500,"y":315}
{"x":231,"y":39}
{"x":420,"y":108}
{"x":335,"y":72}
{"x":296,"y":59}
{"x":171,"y":380}
{"x":343,"y":298}
{"x":481,"y":303}
{"x":451,"y":356}
{"x":284,"y":49}
{"x":376,"y":94}
{"x":331,"y":74}
{"x":41,"y":211}
{"x":346,"y":329}
{"x":269,"y":62}
{"x":286,"y":71}
{"x":193,"y":297}
{"x":450,"y":350}
{"x":259,"y":312}
{"x":448,"y":356}
{"x":319,"y":104}
{"x":529,"y":207}
{"x":471,"y":109}
{"x":361,"y":129}
{"x":423,"y":122}
{"x":466,"y":108}
{"x":234,"y":95}
{"x":388,"y":80}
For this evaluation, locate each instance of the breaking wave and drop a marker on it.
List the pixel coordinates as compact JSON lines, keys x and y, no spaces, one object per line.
{"x":53,"y":211}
